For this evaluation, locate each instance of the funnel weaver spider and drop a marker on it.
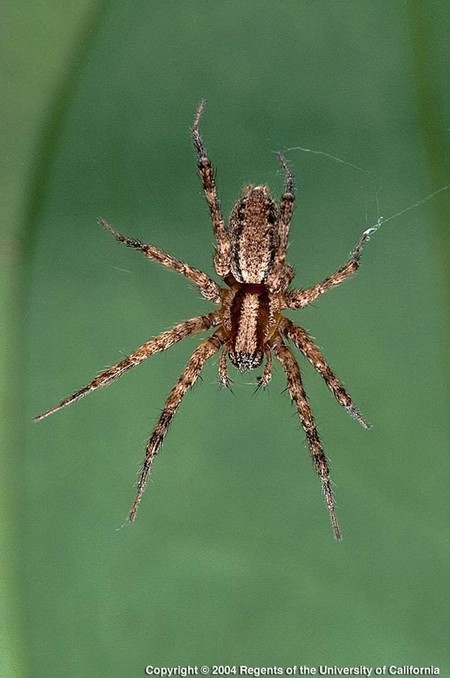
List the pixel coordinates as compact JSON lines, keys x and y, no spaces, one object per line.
{"x":249,"y":325}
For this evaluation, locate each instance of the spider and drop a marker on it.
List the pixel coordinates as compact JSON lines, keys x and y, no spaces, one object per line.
{"x":250,"y":256}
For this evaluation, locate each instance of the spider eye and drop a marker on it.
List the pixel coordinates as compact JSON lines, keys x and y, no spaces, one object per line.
{"x":246,"y":361}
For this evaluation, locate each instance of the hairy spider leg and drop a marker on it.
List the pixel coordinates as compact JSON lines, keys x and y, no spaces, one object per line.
{"x":188,"y":377}
{"x":298,"y":396}
{"x":301,"y":339}
{"x":281,"y":274}
{"x":208,"y":288}
{"x":160,"y":343}
{"x":300,"y":298}
{"x":206,"y":171}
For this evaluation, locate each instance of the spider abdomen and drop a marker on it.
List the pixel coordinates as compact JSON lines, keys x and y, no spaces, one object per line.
{"x":253,"y":235}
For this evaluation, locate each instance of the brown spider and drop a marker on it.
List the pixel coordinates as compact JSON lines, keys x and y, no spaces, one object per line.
{"x":251,"y":258}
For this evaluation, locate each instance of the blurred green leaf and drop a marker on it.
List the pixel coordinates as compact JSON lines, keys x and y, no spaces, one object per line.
{"x":231,"y":559}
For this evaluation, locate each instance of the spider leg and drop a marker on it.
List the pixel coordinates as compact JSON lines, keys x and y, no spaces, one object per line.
{"x":299,"y":298}
{"x":208,"y":288}
{"x":298,"y":396}
{"x":301,"y":339}
{"x":281,"y":275}
{"x":159,"y":343}
{"x":188,"y":377}
{"x":206,"y":171}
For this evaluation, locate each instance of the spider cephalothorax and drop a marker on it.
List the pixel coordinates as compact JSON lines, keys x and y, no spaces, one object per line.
{"x":251,"y":258}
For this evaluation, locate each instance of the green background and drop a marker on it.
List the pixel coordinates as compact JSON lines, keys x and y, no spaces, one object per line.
{"x":231,"y":559}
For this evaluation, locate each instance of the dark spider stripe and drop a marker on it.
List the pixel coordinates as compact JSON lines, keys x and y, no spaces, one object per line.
{"x":238,"y":227}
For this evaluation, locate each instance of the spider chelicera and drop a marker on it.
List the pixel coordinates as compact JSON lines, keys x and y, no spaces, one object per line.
{"x":249,"y":325}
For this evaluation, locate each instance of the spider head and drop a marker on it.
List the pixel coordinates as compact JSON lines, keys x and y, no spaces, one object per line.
{"x":246,"y":319}
{"x":245,"y":361}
